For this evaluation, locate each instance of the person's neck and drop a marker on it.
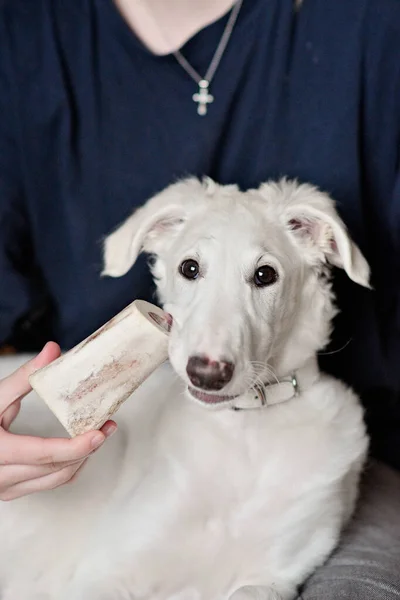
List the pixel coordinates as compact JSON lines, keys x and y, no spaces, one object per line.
{"x":165,"y":25}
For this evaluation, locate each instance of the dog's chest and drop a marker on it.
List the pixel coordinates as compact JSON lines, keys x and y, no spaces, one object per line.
{"x":217,"y":501}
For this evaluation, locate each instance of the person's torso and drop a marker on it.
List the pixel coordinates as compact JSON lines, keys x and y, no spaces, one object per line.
{"x":106,"y":124}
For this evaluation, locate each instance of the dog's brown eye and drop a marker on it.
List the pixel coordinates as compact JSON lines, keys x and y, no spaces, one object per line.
{"x":264,"y":276}
{"x":189,"y":269}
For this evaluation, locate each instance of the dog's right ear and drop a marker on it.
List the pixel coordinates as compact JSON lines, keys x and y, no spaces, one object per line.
{"x":150,"y":228}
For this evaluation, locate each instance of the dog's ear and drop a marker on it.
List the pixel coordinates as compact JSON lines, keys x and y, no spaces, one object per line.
{"x":312,"y":220}
{"x":151,"y":227}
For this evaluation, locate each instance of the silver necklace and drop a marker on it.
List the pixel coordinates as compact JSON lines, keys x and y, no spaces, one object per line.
{"x":203,"y":97}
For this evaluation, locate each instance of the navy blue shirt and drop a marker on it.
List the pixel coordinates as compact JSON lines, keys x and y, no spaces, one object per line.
{"x":92,"y":124}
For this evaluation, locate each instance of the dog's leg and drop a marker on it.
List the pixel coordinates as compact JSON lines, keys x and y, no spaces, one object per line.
{"x":97,"y":593}
{"x":261,"y":593}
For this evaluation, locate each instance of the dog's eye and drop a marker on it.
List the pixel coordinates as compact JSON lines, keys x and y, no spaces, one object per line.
{"x":189,"y":269}
{"x":264,"y":276}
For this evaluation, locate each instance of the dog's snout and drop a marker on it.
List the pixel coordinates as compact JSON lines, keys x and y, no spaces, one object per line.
{"x":209,"y":374}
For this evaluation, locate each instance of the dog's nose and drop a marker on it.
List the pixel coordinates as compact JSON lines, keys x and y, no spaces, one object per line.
{"x":209,"y":374}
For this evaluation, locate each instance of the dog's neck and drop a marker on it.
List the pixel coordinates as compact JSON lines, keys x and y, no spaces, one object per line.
{"x":285,"y":389}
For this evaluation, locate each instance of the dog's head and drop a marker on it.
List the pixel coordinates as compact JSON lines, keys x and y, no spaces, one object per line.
{"x":244,"y":275}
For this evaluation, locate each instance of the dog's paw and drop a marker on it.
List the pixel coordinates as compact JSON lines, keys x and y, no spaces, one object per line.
{"x":257,"y":593}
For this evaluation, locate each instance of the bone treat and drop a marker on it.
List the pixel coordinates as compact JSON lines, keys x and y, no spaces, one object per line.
{"x":87,"y":385}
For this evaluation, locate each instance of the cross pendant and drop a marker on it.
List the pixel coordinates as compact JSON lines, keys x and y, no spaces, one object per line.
{"x":203,"y":97}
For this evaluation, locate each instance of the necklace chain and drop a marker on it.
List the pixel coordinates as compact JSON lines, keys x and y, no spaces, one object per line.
{"x":203,"y":97}
{"x":218,"y":53}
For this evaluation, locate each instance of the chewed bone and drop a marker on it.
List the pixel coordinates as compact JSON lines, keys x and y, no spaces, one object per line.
{"x":87,"y":385}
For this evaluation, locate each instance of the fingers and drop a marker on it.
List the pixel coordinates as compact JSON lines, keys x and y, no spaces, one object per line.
{"x":47,"y":482}
{"x":10,"y":414}
{"x":16,"y":385}
{"x":18,"y":480}
{"x":29,"y":450}
{"x":11,"y":475}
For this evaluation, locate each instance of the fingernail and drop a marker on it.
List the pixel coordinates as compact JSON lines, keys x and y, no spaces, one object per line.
{"x":110,"y":430}
{"x":97,"y":440}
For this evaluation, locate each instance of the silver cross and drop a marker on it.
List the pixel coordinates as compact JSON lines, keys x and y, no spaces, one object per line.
{"x":203,"y":97}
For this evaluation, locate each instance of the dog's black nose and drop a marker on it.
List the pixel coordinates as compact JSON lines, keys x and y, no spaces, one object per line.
{"x":209,"y":374}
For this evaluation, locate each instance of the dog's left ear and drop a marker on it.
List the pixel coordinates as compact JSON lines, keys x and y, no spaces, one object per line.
{"x":151,"y":227}
{"x":311,"y":218}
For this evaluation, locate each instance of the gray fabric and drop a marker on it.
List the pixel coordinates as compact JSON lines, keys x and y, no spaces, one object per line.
{"x":366,"y":565}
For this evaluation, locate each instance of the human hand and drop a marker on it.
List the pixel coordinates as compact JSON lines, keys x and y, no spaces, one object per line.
{"x":31,"y":464}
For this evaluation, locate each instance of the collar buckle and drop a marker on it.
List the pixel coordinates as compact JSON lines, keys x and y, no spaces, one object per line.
{"x":295,"y":384}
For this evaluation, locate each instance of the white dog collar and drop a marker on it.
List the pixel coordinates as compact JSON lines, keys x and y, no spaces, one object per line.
{"x":282,"y":391}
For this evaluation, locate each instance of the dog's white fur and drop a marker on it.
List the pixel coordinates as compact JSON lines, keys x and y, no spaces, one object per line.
{"x":188,"y":503}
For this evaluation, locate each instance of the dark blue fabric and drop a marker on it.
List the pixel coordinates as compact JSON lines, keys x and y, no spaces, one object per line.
{"x":92,"y":124}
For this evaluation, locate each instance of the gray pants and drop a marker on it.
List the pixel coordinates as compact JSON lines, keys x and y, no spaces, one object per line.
{"x":366,"y":565}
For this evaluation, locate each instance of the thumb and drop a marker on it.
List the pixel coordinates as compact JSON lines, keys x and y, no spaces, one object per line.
{"x":16,"y":385}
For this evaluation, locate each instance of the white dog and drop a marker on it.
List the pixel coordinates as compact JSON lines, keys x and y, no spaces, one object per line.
{"x":233,"y":480}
